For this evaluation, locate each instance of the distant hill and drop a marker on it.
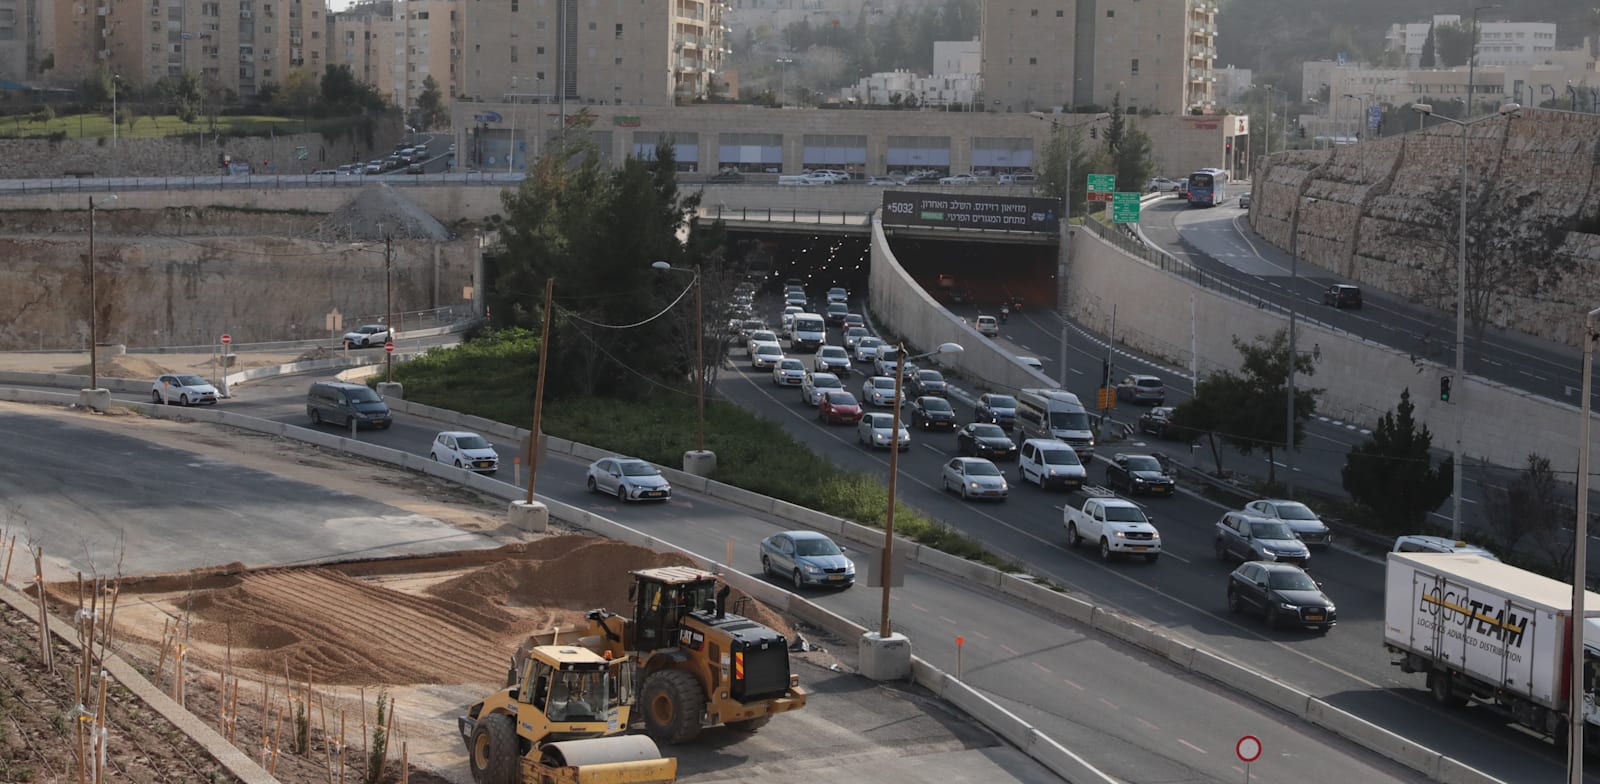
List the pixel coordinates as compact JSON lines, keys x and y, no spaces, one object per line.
{"x":1274,"y":36}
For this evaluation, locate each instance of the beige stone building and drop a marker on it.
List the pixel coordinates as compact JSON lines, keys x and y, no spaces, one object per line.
{"x":365,"y":37}
{"x":649,"y":54}
{"x":1040,"y":55}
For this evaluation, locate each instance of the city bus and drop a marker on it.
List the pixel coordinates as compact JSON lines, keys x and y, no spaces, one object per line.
{"x":1208,"y":188}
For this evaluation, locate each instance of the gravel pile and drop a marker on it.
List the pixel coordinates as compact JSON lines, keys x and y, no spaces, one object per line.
{"x":376,"y":212}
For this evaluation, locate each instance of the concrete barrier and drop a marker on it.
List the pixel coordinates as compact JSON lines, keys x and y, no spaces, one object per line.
{"x":1269,"y":690}
{"x":1364,"y":733}
{"x":731,"y":494}
{"x":586,"y":452}
{"x":810,"y":518}
{"x":1040,"y":596}
{"x":679,"y":479}
{"x":972,"y":571}
{"x":1062,"y":761}
{"x":1453,"y":772}
{"x":999,"y":720}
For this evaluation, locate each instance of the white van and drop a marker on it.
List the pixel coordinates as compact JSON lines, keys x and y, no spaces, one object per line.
{"x":1049,"y":463}
{"x":794,"y":179}
{"x":1052,"y":413}
{"x":808,"y":333}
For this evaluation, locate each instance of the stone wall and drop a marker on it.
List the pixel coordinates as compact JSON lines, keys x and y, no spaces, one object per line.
{"x":155,"y":291}
{"x":1385,"y":214}
{"x":73,"y":219}
{"x":192,"y":154}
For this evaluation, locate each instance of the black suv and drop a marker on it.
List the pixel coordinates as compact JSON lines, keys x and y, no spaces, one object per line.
{"x":342,"y":404}
{"x":1242,"y":536}
{"x":933,"y":413}
{"x":1342,"y":295}
{"x":1283,"y":593}
{"x":997,"y":409}
{"x":1137,"y":474}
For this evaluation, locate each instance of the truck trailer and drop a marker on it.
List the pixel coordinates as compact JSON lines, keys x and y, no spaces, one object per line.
{"x":1487,"y":632}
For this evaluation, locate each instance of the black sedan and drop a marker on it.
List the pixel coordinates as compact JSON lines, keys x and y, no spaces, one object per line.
{"x":1158,"y":422}
{"x":997,"y":409}
{"x":1283,"y":593}
{"x":1136,"y":474}
{"x":983,"y":439}
{"x":928,"y":382}
{"x":932,"y":413}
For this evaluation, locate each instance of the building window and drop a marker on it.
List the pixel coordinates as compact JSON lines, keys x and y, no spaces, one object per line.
{"x":539,"y":26}
{"x":619,"y":31}
{"x":1135,"y":66}
{"x":539,"y":50}
{"x":591,"y":27}
{"x":1111,"y":13}
{"x":617,"y":61}
{"x":1060,"y":13}
{"x":1033,"y":12}
{"x":514,"y":10}
{"x":513,"y":54}
{"x":539,"y":76}
{"x":1033,"y":61}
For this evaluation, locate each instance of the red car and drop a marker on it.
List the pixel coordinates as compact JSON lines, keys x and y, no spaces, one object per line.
{"x":839,"y":408}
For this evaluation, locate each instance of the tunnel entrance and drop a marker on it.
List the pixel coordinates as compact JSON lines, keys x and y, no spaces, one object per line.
{"x":982,"y":273}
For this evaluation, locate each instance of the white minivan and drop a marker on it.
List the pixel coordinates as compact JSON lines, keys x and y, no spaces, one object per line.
{"x":1052,"y":413}
{"x":1050,"y":463}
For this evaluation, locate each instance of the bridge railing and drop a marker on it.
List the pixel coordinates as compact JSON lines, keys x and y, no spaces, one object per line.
{"x":1129,"y":241}
{"x":789,"y":215}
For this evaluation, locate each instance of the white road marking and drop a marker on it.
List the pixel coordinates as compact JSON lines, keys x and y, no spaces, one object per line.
{"x":1192,"y":746}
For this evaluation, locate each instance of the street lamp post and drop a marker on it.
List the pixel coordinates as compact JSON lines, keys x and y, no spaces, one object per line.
{"x":699,"y":365}
{"x":1064,"y":255}
{"x":887,"y":564}
{"x":538,"y":387}
{"x":94,"y":301}
{"x":1506,"y":110}
{"x":388,"y":307}
{"x":1580,"y":566}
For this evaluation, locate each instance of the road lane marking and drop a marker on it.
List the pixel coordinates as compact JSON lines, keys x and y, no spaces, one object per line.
{"x":1153,"y":728}
{"x":948,"y":619}
{"x":1041,"y":666}
{"x":1108,"y":703}
{"x":1074,"y":685}
{"x":1192,"y":746}
{"x":920,"y":608}
{"x":1009,"y":649}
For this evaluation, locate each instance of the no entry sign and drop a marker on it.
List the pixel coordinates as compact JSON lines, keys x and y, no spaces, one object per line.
{"x":226,"y":339}
{"x":1248,"y":748}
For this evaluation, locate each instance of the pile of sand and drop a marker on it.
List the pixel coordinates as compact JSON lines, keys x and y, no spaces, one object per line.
{"x":376,"y":213}
{"x":125,"y":366}
{"x":315,"y":354}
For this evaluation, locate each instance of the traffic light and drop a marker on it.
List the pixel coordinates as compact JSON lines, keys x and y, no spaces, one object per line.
{"x":1094,"y":133}
{"x":1302,"y":130}
{"x":1105,"y":372}
{"x":1444,"y":389}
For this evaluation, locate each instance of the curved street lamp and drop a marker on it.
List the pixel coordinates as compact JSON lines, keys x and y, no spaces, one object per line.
{"x":699,"y":354}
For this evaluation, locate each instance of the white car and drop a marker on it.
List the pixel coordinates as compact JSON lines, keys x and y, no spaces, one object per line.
{"x":1032,"y":362}
{"x":877,"y":431}
{"x":879,"y":391}
{"x":988,"y":326}
{"x":818,"y":384}
{"x":465,"y":450}
{"x":184,"y":389}
{"x":975,"y":477}
{"x":788,"y":373}
{"x":795,"y":299}
{"x":815,"y":178}
{"x":629,"y":479}
{"x":789,"y":312}
{"x":852,"y":335}
{"x":757,"y":337}
{"x":368,"y":335}
{"x":867,"y":348}
{"x":766,"y":355}
{"x":880,"y":180}
{"x":831,"y":359}
{"x":958,"y":179}
{"x":886,"y":362}
{"x":375,"y":167}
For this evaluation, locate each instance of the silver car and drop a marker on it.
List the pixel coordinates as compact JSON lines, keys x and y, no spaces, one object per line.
{"x":831,"y":359}
{"x":852,"y":335}
{"x":629,"y":479}
{"x":759,"y":336}
{"x":975,"y":477}
{"x":879,"y":391}
{"x":818,"y":384}
{"x":1304,"y":522}
{"x":806,"y":558}
{"x":877,"y":431}
{"x":788,"y":373}
{"x":765,"y":355}
{"x":867,"y":347}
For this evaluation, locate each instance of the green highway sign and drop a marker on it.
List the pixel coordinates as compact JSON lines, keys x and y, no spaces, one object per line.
{"x":1102,"y":184}
{"x":1125,"y":207}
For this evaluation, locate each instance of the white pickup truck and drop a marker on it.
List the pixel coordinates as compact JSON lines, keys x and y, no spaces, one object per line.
{"x":1116,"y":525}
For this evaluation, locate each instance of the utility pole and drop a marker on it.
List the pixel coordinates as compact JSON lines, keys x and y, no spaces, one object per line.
{"x":388,"y":308}
{"x":538,"y":388}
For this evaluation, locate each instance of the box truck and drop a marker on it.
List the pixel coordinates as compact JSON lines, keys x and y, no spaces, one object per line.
{"x":1491,"y":633}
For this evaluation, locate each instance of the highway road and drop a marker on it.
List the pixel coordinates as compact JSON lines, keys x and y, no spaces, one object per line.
{"x":1130,"y":713}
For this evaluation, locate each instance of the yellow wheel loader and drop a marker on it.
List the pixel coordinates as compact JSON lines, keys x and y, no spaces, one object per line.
{"x":561,"y":721}
{"x":695,"y":664}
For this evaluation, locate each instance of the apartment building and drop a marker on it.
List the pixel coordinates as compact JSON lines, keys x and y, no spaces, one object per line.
{"x":1499,"y":42}
{"x":1045,"y":55}
{"x":394,"y":45}
{"x":649,"y":54}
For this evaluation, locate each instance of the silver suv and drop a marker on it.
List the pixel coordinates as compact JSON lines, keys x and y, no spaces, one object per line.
{"x":1245,"y":537}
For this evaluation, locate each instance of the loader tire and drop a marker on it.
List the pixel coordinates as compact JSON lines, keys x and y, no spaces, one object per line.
{"x":493,"y":756}
{"x":750,"y":725}
{"x":673,"y":704}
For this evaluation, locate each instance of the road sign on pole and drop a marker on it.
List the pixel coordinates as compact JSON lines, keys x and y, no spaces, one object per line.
{"x":1101,"y":186}
{"x":226,"y":339}
{"x":1248,"y":748}
{"x":1125,"y":207}
{"x":389,"y":346}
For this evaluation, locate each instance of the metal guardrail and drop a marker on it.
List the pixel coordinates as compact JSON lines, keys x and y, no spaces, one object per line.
{"x":792,"y":215}
{"x":89,"y":185}
{"x":1128,"y":241}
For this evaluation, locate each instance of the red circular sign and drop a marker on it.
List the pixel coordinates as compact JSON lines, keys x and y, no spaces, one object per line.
{"x":389,"y":347}
{"x":226,"y":339}
{"x":1248,"y":748}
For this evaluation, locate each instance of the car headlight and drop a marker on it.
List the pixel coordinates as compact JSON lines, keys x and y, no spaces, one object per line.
{"x":1138,"y":481}
{"x":880,"y":437}
{"x":810,"y":569}
{"x":1120,"y":534}
{"x":1287,"y":606}
{"x":974,"y":485}
{"x":1332,"y":609}
{"x":1267,"y":555}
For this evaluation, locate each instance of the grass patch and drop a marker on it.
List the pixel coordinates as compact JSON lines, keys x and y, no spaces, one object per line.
{"x":493,"y":377}
{"x":94,"y":126}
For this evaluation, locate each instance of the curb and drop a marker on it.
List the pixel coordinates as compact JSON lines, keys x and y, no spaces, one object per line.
{"x":226,"y":754}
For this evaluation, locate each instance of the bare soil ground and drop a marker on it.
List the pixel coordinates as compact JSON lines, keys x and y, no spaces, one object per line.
{"x":140,"y":366}
{"x":434,"y":633}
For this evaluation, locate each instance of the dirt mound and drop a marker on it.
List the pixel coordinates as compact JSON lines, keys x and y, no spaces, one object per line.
{"x":377,"y":212}
{"x":314,"y":354}
{"x":589,"y":573}
{"x":125,"y":366}
{"x":344,"y":631}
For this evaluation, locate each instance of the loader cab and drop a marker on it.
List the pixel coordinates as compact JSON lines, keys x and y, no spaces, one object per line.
{"x":662,"y":597}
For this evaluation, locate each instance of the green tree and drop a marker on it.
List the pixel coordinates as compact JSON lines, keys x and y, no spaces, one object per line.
{"x":1216,"y":398}
{"x":1246,"y":409}
{"x":430,"y":105}
{"x":343,"y":94}
{"x":1064,"y":144}
{"x":182,"y":95}
{"x":1453,"y":43}
{"x":1392,"y":472}
{"x":1530,"y":505}
{"x":1429,"y":56}
{"x":1129,"y":149}
{"x":299,"y":92}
